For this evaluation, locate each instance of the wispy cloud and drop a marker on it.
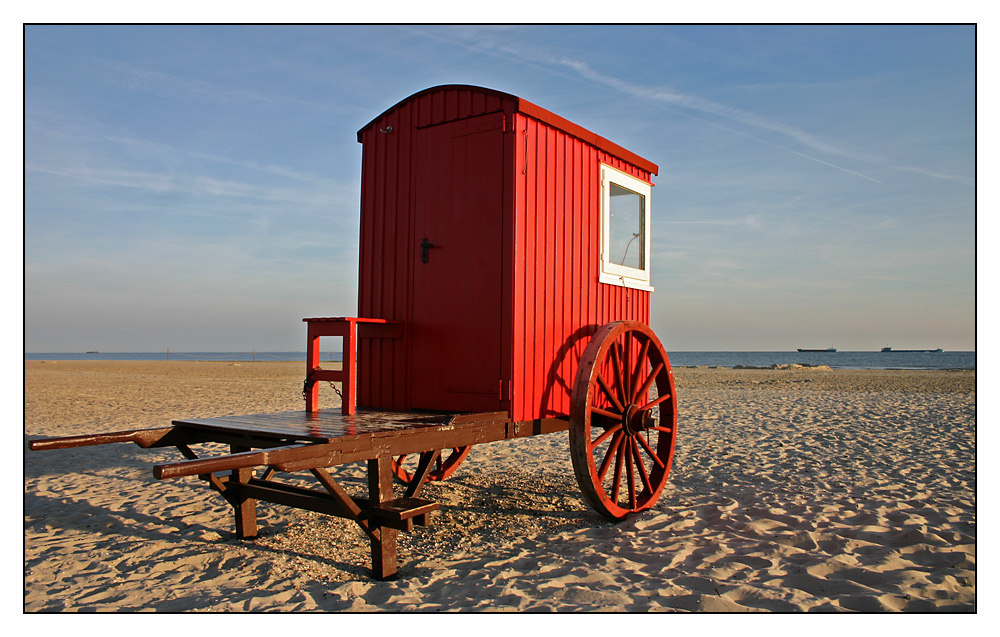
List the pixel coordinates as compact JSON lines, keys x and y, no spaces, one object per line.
{"x":729,"y":113}
{"x":752,"y":221}
{"x":124,"y":179}
{"x":691,"y":105}
{"x":937,"y":175}
{"x":168,"y":85}
{"x":697,"y":104}
{"x":262,"y":197}
{"x":68,"y":150}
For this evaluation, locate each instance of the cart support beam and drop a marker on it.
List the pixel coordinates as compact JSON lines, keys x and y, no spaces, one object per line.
{"x":427,"y":462}
{"x":384,"y":540}
{"x":244,"y":507}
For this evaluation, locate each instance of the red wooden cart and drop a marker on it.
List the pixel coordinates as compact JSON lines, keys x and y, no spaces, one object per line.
{"x":503,"y":292}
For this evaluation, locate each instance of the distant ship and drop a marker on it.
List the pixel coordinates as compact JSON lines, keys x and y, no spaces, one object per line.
{"x":93,"y":352}
{"x":828,"y":349}
{"x":912,"y":351}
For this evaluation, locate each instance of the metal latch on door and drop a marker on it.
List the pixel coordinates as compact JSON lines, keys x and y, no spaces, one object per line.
{"x":426,"y":245}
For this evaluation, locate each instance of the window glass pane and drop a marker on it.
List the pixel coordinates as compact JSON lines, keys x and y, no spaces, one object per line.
{"x":627,"y":227}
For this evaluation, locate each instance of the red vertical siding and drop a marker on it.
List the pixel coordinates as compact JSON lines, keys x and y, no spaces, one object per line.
{"x":558,"y":301}
{"x":551,"y":300}
{"x":386,"y":209}
{"x":508,"y":290}
{"x":388,"y":245}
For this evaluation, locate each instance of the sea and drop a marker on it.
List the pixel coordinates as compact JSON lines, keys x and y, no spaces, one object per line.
{"x":836,"y":360}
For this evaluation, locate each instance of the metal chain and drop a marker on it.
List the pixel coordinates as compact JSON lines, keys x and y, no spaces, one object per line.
{"x":336,"y":389}
{"x":307,"y":385}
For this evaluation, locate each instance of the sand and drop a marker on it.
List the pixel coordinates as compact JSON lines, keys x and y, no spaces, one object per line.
{"x":792,"y":490}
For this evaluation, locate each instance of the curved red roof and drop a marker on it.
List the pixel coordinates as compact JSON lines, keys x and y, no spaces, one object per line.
{"x":513,"y":104}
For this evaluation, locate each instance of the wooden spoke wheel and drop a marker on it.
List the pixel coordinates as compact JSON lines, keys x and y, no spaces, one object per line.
{"x":403,"y":467}
{"x":623,"y":420}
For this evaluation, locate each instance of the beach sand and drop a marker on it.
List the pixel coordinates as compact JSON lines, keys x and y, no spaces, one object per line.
{"x":792,"y":490}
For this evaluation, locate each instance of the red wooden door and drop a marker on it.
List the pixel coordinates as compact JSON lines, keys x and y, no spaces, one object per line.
{"x":455,"y":361}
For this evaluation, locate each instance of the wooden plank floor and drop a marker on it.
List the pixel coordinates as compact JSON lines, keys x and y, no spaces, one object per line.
{"x":326,"y":426}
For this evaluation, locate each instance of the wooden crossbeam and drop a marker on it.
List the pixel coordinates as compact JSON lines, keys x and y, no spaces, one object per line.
{"x":309,"y":453}
{"x":424,"y":467}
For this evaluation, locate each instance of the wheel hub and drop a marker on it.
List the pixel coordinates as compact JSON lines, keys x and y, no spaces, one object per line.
{"x":634,"y":420}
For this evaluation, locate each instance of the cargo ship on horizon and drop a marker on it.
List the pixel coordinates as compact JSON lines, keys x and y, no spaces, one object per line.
{"x":827,"y":349}
{"x":911,"y":351}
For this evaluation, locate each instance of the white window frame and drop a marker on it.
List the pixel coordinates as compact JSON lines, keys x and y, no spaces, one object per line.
{"x":613,"y":273}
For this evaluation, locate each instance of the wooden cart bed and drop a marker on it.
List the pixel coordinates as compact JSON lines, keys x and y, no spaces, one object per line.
{"x":263,"y":446}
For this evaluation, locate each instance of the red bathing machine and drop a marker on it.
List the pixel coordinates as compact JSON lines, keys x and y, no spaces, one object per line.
{"x":501,"y":236}
{"x":503,"y":292}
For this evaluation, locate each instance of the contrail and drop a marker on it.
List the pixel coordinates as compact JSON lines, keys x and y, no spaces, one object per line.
{"x":532,"y":56}
{"x":714,"y":108}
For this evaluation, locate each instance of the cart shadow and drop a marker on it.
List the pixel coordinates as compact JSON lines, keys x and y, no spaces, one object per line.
{"x":513,"y":497}
{"x":497,"y":505}
{"x":575,"y":342}
{"x":73,"y":514}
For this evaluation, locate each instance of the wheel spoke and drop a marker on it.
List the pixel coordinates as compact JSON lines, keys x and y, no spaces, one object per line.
{"x":612,"y":451}
{"x":644,"y":391}
{"x":630,"y":472}
{"x":649,"y":450}
{"x":606,"y":413}
{"x":642,"y":467}
{"x":616,"y":364}
{"x":655,"y":402}
{"x":440,"y":468}
{"x":666,"y":430}
{"x":607,"y":391}
{"x":627,"y":367}
{"x":616,"y":487}
{"x":401,"y":471}
{"x":640,"y":365}
{"x":604,"y":436}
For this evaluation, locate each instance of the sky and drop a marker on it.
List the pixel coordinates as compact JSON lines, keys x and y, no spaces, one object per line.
{"x":197,"y":188}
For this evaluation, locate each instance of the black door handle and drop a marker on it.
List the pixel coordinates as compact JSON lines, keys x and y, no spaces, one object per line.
{"x":426,"y":245}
